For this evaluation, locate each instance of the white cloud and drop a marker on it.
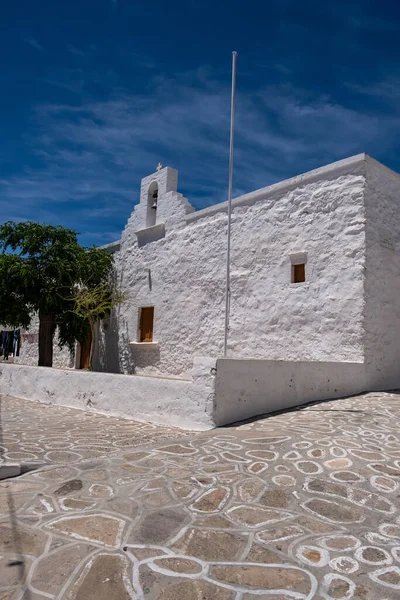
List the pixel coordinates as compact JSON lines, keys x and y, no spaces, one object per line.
{"x":27,"y":39}
{"x":74,"y":50}
{"x":95,"y":154}
{"x":386,"y":90}
{"x":73,"y":80}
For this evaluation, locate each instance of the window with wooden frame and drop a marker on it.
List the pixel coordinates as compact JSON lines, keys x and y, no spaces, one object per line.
{"x":146,"y":324}
{"x":298,"y":267}
{"x":298,"y":273}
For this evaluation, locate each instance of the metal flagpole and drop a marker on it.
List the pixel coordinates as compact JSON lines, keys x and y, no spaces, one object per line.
{"x":228,"y":250}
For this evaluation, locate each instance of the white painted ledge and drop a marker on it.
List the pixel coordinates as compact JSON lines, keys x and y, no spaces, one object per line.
{"x":113,"y":247}
{"x":159,"y":227}
{"x":145,"y":345}
{"x":150,"y":234}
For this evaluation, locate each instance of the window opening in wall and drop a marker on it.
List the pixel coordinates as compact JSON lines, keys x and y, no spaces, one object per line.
{"x":298,"y":273}
{"x":152,"y":203}
{"x":146,"y":324}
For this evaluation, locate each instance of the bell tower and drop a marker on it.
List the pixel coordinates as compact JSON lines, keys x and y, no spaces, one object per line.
{"x":152,"y":204}
{"x":161,"y":208}
{"x":153,"y":191}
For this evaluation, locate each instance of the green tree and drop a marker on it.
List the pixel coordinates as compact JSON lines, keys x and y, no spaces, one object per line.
{"x":40,"y":268}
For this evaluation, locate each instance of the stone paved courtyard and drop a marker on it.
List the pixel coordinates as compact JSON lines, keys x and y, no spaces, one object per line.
{"x":302,"y":505}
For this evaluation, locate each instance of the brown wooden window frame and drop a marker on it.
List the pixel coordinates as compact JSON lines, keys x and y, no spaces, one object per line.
{"x":298,"y":273}
{"x":146,"y":324}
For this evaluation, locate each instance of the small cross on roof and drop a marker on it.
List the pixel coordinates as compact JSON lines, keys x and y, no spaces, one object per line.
{"x":159,"y":166}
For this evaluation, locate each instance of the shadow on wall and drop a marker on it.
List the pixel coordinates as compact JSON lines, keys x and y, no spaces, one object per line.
{"x":106,"y":357}
{"x":113,"y":352}
{"x":127,"y":364}
{"x":146,"y":358}
{"x":130,"y":358}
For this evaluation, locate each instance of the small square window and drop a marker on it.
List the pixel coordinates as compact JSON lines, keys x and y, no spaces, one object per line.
{"x":146,"y":324}
{"x":298,"y":273}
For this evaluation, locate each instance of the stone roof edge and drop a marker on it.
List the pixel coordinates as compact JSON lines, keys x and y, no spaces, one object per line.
{"x":287,"y":184}
{"x":281,"y":186}
{"x":113,"y":246}
{"x":389,"y":172}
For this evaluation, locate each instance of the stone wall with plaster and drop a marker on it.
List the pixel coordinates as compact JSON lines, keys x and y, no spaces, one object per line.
{"x":182,"y":274}
{"x":382,"y":286}
{"x":247,"y":388}
{"x":177,"y":402}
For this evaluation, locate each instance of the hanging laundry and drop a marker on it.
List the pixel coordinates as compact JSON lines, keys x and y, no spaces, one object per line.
{"x":16,"y":342}
{"x":10,"y":343}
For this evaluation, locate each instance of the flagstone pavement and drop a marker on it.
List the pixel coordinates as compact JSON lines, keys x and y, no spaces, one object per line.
{"x":301,"y":505}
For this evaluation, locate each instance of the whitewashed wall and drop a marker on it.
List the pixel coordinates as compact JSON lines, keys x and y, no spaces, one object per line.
{"x":183,"y":274}
{"x":247,"y":388}
{"x":181,"y":403}
{"x":29,"y":349}
{"x":382,"y":289}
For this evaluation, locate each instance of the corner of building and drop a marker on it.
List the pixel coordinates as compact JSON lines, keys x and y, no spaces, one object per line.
{"x":382,"y":276}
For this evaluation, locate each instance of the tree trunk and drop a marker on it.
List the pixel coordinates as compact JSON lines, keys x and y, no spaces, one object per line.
{"x":92,"y":343}
{"x":46,"y":333}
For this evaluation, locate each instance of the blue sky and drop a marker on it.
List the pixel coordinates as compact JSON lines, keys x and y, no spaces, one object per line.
{"x":94,"y":93}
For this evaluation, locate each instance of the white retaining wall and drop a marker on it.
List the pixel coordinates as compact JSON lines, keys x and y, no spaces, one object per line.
{"x":249,"y":387}
{"x":166,"y":401}
{"x":220,"y":392}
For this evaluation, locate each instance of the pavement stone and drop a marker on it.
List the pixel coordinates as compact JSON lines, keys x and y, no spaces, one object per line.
{"x":104,"y":577}
{"x":302,"y":505}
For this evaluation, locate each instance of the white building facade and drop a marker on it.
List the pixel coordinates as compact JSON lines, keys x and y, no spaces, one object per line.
{"x":337,"y":228}
{"x":315,"y":302}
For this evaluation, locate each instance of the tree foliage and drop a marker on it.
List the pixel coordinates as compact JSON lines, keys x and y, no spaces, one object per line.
{"x":40,"y":267}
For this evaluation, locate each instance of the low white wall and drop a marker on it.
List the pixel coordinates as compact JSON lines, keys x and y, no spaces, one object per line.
{"x":246,"y":388}
{"x":165,"y":401}
{"x":236,"y":389}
